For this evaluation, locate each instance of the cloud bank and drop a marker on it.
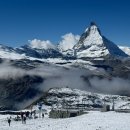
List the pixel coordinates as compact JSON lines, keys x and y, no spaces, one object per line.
{"x":58,"y":76}
{"x":41,"y":44}
{"x":67,"y":42}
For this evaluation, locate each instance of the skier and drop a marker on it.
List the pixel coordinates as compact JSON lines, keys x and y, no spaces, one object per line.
{"x":42,"y":115}
{"x":34,"y":113}
{"x":22,"y":114}
{"x":24,"y":119}
{"x":9,"y":121}
{"x":27,"y":114}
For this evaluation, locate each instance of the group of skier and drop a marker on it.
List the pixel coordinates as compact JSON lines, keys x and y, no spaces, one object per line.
{"x":24,"y":117}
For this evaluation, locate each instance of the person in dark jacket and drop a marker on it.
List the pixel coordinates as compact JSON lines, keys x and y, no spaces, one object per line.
{"x":24,"y":119}
{"x":9,"y":121}
{"x":22,"y":114}
{"x":27,"y":114}
{"x":42,"y":115}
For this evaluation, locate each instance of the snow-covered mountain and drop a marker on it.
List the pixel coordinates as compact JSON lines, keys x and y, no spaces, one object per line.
{"x":35,"y":49}
{"x":41,"y":53}
{"x":93,"y":44}
{"x":59,"y":96}
{"x":39,"y":49}
{"x":10,"y":53}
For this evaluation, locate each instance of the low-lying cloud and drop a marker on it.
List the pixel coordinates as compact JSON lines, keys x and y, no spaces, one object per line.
{"x":114,"y":86}
{"x":57,"y":76}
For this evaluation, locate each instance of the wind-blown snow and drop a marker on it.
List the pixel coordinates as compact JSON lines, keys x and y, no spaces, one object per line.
{"x":39,"y":44}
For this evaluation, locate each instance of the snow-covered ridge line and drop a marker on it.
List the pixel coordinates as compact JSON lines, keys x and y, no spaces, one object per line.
{"x":92,"y":99}
{"x":91,"y":44}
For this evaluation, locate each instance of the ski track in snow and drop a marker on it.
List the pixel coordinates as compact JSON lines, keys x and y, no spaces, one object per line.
{"x":92,"y":121}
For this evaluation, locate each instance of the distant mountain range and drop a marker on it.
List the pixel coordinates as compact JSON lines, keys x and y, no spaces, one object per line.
{"x":91,"y":44}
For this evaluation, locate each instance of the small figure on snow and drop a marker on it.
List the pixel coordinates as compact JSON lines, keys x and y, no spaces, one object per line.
{"x":9,"y":120}
{"x":22,"y":114}
{"x":42,"y":115}
{"x":24,"y":119}
{"x":27,"y":114}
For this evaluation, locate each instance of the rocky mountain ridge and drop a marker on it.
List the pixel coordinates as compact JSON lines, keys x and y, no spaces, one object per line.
{"x":91,"y":44}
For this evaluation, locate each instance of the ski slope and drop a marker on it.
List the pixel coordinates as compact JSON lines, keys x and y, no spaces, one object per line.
{"x":94,"y":120}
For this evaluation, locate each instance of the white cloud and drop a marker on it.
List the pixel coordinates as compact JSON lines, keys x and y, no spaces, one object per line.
{"x":68,"y":41}
{"x":39,"y":44}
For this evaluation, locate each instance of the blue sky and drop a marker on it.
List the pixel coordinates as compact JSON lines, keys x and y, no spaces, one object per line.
{"x":23,"y":20}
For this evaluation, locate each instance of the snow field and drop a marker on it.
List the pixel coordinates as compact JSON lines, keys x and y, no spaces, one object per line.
{"x":92,"y":121}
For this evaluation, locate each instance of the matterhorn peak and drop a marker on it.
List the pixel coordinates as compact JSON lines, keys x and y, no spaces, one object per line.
{"x":93,"y":44}
{"x":92,"y":29}
{"x":93,"y":24}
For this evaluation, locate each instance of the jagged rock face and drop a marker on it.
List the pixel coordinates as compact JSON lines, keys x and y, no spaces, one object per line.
{"x":6,"y":48}
{"x":93,"y":44}
{"x":92,"y":33}
{"x":49,"y":53}
{"x":39,"y":53}
{"x":28,"y":51}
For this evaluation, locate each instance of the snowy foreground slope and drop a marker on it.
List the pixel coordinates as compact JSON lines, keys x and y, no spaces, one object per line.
{"x":92,"y":121}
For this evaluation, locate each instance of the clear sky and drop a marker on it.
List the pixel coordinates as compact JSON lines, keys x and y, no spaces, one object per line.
{"x":23,"y":20}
